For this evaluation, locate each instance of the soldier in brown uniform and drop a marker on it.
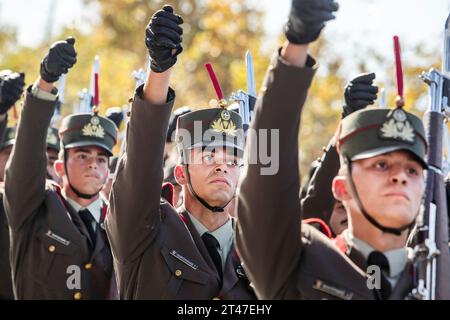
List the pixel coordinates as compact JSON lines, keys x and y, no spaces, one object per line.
{"x":11,"y":88}
{"x":53,"y":148}
{"x":158,"y":252}
{"x":288,"y":260}
{"x":6,"y":144}
{"x":59,"y":249}
{"x":318,"y":200}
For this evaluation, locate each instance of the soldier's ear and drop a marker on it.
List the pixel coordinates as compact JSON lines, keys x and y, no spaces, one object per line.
{"x":59,"y":168}
{"x":180,"y":175}
{"x":340,"y":188}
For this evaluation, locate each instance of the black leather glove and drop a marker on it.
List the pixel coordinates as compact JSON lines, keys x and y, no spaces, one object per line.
{"x":359,"y":93}
{"x":11,"y":89}
{"x":307,"y":18}
{"x":59,"y":59}
{"x":162,"y":36}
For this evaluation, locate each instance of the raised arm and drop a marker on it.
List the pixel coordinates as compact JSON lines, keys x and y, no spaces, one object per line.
{"x":268,"y":229}
{"x":26,"y":169}
{"x":11,"y":89}
{"x":134,"y":213}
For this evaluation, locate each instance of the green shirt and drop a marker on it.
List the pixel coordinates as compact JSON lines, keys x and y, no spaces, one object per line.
{"x":223,"y":234}
{"x":95,"y":208}
{"x":397,"y":258}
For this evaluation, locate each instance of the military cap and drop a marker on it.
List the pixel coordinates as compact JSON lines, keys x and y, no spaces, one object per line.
{"x":87,"y":129}
{"x":211,"y":128}
{"x":173,"y":121}
{"x":374,"y":131}
{"x":9,"y":138}
{"x":115,"y":114}
{"x":53,"y":139}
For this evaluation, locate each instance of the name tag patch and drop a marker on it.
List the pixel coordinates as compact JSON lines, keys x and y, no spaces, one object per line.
{"x":58,"y":238}
{"x":183,"y":259}
{"x":319,"y":285}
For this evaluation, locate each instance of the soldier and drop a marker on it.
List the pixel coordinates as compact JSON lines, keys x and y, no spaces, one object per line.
{"x":11,"y":88}
{"x":53,"y":147}
{"x":386,"y":147}
{"x":175,"y":248}
{"x":318,"y":200}
{"x":59,"y":249}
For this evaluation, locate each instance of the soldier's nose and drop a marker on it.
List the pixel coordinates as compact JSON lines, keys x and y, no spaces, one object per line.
{"x":220,"y":169}
{"x":399,"y":180}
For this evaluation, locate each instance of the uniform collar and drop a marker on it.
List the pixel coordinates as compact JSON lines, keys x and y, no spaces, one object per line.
{"x":95,"y":208}
{"x":223,"y":234}
{"x":397,"y":258}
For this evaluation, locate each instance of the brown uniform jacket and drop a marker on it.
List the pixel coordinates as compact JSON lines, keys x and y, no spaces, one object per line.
{"x":6,"y":292}
{"x":285,"y":259}
{"x":49,"y":241}
{"x":157,"y":253}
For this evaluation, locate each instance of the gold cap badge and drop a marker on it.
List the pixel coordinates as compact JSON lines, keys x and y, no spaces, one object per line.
{"x":397,"y":126}
{"x":224,"y":124}
{"x":94,"y":129}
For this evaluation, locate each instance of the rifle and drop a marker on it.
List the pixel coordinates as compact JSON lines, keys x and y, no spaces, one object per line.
{"x":61,"y":100}
{"x":247,"y":99}
{"x":431,"y":251}
{"x":139,"y":76}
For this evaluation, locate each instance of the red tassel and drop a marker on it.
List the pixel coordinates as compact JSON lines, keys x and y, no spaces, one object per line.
{"x":399,"y":71}
{"x":214,"y":80}
{"x":96,"y":97}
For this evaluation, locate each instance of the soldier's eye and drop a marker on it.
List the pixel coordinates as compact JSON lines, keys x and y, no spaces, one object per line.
{"x":208,"y":158}
{"x":382,"y":165}
{"x":412,"y":171}
{"x":82,"y":156}
{"x":233,"y":163}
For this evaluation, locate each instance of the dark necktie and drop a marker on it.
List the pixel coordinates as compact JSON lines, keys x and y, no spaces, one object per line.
{"x":379,"y":259}
{"x":88,"y":220}
{"x":212,"y":245}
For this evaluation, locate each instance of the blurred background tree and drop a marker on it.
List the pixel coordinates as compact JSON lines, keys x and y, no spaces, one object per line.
{"x":216,"y":31}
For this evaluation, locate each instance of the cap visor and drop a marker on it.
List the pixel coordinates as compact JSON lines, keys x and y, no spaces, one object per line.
{"x":218,"y":144}
{"x":87,"y":144}
{"x":383,"y":150}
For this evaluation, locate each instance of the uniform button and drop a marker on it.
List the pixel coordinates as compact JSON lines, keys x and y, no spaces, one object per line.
{"x":52,"y":248}
{"x":77,"y":295}
{"x":178,"y":272}
{"x":88,"y":266}
{"x":216,"y":298}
